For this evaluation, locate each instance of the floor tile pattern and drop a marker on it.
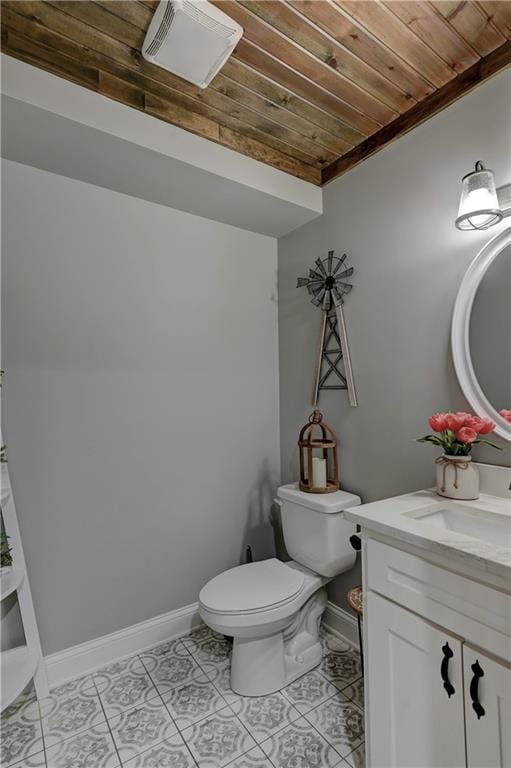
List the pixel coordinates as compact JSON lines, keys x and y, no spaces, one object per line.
{"x":218,"y":740}
{"x":33,"y":761}
{"x":340,"y":722}
{"x":93,"y":748}
{"x":308,"y":691}
{"x":193,"y":702}
{"x":300,"y":744}
{"x":140,"y":728}
{"x":172,"y":706}
{"x":354,"y":693}
{"x":171,"y":753}
{"x":264,"y":716}
{"x":21,"y":731}
{"x":63,"y":717}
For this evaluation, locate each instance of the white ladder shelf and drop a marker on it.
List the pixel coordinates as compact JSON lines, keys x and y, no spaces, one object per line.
{"x":24,"y":663}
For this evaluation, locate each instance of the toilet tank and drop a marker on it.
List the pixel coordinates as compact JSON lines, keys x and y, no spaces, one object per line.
{"x":315,"y":531}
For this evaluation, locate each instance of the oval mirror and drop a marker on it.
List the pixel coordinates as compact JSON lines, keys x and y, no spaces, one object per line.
{"x":481,"y":333}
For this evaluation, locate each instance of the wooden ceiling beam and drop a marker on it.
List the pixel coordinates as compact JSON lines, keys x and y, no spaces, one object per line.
{"x":443,"y":97}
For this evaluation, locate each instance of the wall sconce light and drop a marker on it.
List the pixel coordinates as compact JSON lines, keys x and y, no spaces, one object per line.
{"x":481,"y":204}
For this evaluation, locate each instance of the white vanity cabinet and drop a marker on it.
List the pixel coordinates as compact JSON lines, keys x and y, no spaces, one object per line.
{"x":488,"y":736}
{"x":438,"y":670}
{"x":412,"y":721}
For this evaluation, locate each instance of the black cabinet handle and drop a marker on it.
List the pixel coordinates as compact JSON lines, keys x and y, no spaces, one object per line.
{"x":474,"y":690}
{"x":444,"y":670}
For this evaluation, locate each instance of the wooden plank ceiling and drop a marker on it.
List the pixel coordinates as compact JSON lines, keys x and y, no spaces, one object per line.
{"x":314,"y":86}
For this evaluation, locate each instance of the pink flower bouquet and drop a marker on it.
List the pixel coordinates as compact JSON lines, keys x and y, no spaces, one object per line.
{"x":458,"y":432}
{"x":506,"y":414}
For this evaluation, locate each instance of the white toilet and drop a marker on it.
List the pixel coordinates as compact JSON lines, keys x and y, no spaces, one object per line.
{"x":273,"y":609}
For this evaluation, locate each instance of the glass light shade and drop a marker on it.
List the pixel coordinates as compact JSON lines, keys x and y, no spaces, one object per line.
{"x":479,"y":204}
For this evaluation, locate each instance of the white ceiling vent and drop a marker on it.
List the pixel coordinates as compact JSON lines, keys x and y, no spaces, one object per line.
{"x":191,"y":38}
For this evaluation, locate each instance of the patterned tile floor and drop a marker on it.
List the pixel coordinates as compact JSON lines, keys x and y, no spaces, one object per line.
{"x":172,"y":707}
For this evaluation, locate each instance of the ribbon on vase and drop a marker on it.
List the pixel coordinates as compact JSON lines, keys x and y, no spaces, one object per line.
{"x":445,"y":462}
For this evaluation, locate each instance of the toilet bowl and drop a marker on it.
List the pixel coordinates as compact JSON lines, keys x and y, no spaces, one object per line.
{"x":273,"y":609}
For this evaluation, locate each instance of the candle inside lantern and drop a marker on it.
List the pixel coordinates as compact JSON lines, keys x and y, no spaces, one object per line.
{"x":318,"y":473}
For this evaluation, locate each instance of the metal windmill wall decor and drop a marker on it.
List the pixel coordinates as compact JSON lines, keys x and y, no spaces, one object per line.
{"x":327,"y":285}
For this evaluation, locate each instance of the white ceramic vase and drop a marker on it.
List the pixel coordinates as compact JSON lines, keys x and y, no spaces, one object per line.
{"x":457,"y":478}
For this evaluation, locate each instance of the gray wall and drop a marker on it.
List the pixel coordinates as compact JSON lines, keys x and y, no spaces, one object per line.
{"x":394,"y":215}
{"x":139,"y":408}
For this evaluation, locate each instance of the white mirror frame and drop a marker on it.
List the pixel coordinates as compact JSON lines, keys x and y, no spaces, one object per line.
{"x":460,"y":332}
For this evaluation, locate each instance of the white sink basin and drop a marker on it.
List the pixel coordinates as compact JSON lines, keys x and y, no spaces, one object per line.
{"x":480,"y":524}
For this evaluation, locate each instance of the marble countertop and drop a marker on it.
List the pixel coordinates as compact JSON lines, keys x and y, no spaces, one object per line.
{"x":394,"y":518}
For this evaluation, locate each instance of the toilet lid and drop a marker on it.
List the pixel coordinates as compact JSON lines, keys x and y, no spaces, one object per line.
{"x":252,"y":587}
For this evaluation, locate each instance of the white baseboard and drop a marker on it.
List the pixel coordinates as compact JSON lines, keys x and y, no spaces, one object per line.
{"x":342,"y":623}
{"x":86,"y":657}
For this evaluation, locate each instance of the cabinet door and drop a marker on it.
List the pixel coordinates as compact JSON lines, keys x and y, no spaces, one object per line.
{"x":414,"y":704}
{"x":488,"y":711}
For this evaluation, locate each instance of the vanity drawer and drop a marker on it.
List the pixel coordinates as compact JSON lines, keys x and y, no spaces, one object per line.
{"x":465,"y":607}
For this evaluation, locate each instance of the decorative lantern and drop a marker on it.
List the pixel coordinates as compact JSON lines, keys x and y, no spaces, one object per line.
{"x":479,"y":203}
{"x":319,"y":469}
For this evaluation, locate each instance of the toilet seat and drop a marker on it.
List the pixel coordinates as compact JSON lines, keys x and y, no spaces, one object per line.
{"x":252,"y":588}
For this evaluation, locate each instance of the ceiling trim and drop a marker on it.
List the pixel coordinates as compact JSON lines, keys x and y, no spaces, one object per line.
{"x":482,"y":70}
